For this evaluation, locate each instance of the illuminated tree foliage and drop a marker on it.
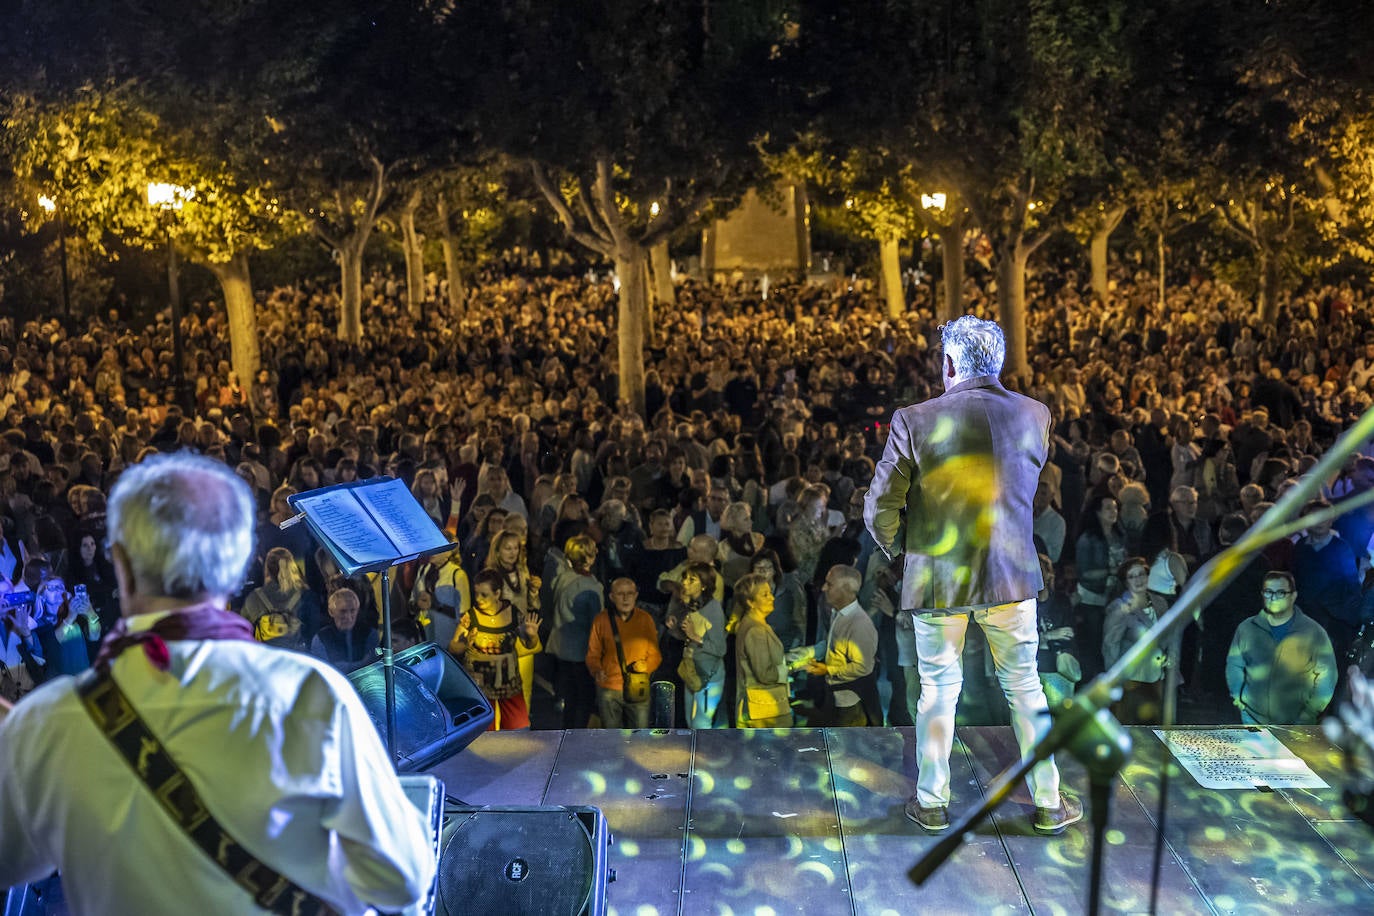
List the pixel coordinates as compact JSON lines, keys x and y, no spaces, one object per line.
{"x":98,"y":152}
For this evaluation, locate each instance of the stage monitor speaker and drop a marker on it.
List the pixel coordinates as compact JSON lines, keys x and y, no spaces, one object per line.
{"x":542,"y":861}
{"x":439,"y":709}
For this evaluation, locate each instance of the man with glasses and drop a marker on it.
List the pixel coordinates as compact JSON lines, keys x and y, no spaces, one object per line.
{"x":1281,"y":669}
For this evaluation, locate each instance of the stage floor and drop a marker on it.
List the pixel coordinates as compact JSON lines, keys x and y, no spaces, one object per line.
{"x":810,"y":820}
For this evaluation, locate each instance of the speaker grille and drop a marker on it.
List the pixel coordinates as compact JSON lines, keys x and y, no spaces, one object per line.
{"x":518,"y":862}
{"x":420,"y":717}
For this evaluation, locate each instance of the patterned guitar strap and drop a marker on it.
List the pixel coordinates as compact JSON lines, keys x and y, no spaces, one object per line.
{"x":117,"y":719}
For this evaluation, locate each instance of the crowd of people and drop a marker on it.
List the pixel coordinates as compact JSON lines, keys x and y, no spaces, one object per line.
{"x":716,"y":540}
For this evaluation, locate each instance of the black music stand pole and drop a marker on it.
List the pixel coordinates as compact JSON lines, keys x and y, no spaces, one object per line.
{"x":388,"y":662}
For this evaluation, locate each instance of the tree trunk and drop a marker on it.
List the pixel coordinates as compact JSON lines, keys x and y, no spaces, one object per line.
{"x":1011,"y":307}
{"x":1164,"y":221}
{"x":630,"y":263}
{"x":457,"y":291}
{"x":650,"y":302}
{"x":952,"y":261}
{"x":1268,"y":285}
{"x":1097,"y":248}
{"x":802,"y":201}
{"x":236,"y":283}
{"x":411,"y":242}
{"x":351,"y":301}
{"x":890,"y":255}
{"x":662,"y":269}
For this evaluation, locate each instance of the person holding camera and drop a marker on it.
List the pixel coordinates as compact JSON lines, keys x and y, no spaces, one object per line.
{"x":21,"y":657}
{"x":66,"y":627}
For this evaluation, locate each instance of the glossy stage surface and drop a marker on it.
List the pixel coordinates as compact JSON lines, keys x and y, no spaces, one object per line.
{"x":810,"y":821}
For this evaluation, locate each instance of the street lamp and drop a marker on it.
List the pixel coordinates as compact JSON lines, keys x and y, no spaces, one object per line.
{"x":49,"y":206}
{"x":168,"y":198}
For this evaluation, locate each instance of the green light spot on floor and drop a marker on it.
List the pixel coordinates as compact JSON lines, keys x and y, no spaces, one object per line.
{"x":1215,"y":834}
{"x":743,"y":782}
{"x":596,"y":780}
{"x":628,"y":848}
{"x":632,"y":786}
{"x":1224,"y":902}
{"x":832,"y":844}
{"x":696,"y":848}
{"x":1116,"y":837}
{"x":734,"y":847}
{"x":645,"y":909}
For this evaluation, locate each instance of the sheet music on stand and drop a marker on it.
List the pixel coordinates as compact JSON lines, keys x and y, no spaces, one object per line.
{"x":369,"y":525}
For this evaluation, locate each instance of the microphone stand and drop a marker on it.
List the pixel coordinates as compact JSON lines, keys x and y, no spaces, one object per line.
{"x":1084,"y":724}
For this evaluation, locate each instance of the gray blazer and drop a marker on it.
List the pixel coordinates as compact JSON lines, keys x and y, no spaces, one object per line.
{"x":953,"y":492}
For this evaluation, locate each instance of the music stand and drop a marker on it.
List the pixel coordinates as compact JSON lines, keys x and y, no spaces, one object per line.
{"x":369,"y":526}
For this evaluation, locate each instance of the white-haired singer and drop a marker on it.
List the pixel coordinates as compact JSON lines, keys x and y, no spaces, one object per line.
{"x":305,"y":810}
{"x":954,"y":493}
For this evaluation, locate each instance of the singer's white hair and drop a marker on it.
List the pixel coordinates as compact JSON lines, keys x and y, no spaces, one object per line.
{"x":975,"y":346}
{"x":185,"y":523}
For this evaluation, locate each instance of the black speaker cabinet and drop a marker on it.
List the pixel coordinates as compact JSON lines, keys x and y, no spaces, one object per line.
{"x":542,"y":861}
{"x":439,"y":709}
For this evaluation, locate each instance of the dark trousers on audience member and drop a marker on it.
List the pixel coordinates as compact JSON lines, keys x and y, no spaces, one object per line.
{"x":671,"y":650}
{"x":898,"y":712}
{"x":577,"y":690}
{"x":841,"y":717}
{"x":1088,"y":630}
{"x":616,"y":713}
{"x":1141,"y":703}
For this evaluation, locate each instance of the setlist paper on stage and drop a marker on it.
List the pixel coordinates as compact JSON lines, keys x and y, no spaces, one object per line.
{"x":1238,"y":758}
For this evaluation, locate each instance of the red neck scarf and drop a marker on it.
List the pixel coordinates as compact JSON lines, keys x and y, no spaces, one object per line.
{"x":199,"y":621}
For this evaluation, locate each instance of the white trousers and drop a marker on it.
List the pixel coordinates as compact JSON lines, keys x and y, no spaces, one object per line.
{"x":1013,"y":638}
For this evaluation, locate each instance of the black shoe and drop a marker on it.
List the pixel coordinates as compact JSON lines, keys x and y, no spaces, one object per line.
{"x":1052,"y":821}
{"x":931,"y":820}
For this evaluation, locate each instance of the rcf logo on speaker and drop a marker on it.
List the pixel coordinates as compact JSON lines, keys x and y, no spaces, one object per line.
{"x":517,"y":870}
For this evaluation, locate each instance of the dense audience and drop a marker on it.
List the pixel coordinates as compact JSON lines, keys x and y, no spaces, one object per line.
{"x":731,"y":506}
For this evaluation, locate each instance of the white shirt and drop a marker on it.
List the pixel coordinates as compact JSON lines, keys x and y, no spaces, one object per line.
{"x":278,"y":745}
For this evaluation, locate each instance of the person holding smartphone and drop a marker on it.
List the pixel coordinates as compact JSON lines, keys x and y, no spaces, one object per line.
{"x":21,"y":657}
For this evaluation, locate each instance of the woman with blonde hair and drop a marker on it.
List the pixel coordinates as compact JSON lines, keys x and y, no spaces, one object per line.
{"x":761,"y":669}
{"x":429,"y":495}
{"x":283,"y":611}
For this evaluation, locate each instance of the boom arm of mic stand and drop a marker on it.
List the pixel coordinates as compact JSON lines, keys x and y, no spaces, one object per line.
{"x":1091,"y":704}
